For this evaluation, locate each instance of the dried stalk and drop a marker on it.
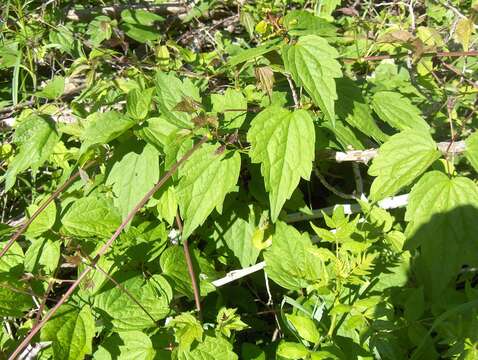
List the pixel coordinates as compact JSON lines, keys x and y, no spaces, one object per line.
{"x":364,"y":156}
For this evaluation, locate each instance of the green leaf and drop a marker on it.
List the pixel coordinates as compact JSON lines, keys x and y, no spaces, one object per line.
{"x":352,"y":107}
{"x":205,"y":179}
{"x":236,"y":227}
{"x":400,"y":160}
{"x":227,"y":321}
{"x":11,"y":263}
{"x":313,"y":65}
{"x":91,"y":216}
{"x":101,"y":128}
{"x":290,"y":350}
{"x":157,"y":130}
{"x":14,"y":303}
{"x":291,"y":272}
{"x":53,"y":88}
{"x":211,"y":348}
{"x":140,"y":16}
{"x":252,"y":352}
{"x":471,"y":151}
{"x":99,"y":29}
{"x":187,"y":329}
{"x":283,"y":142}
{"x":71,"y":330}
{"x":415,"y":304}
{"x":252,"y":53}
{"x":442,"y":215}
{"x":36,"y":137}
{"x":175,"y":269}
{"x":44,"y":221}
{"x":305,"y":327}
{"x":132,"y":177}
{"x":138,"y":103}
{"x":126,"y":345}
{"x":42,"y":256}
{"x":154,"y":294}
{"x":302,"y":22}
{"x":398,"y":111}
{"x":344,"y":135}
{"x":168,"y":205}
{"x":171,"y":91}
{"x":231,"y":100}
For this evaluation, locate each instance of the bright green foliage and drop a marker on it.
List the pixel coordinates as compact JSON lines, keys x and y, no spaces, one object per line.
{"x":472,"y":150}
{"x":282,"y":142}
{"x":71,"y":331}
{"x":173,"y":264}
{"x":233,"y":105}
{"x":35,"y":137}
{"x":42,"y":256}
{"x":400,"y":160}
{"x":305,"y":327}
{"x":237,"y":229}
{"x":243,"y":251}
{"x":187,"y":329}
{"x":153,"y":294}
{"x":291,"y":272}
{"x":353,"y":108}
{"x":171,"y":91}
{"x":13,"y":303}
{"x":101,"y":128}
{"x":138,"y":103}
{"x":204,"y":182}
{"x":289,"y":350}
{"x":211,"y":348}
{"x":91,"y":216}
{"x":53,"y":88}
{"x":133,"y":176}
{"x":44,"y":221}
{"x":126,"y":345}
{"x":442,"y":222}
{"x":312,"y":64}
{"x":227,"y":321}
{"x":398,"y":111}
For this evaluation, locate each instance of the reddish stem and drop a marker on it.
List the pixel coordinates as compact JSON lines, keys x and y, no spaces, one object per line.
{"x":189,"y":263}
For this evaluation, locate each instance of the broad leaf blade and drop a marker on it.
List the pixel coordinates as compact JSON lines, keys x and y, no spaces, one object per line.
{"x":101,"y":128}
{"x":295,"y":271}
{"x":442,"y":215}
{"x":91,"y":216}
{"x":400,"y":160}
{"x":205,"y":179}
{"x":154,"y":294}
{"x":312,"y":64}
{"x":36,"y":137}
{"x":398,"y":111}
{"x":126,"y":345}
{"x":283,"y":143}
{"x":133,"y":176}
{"x":71,"y":330}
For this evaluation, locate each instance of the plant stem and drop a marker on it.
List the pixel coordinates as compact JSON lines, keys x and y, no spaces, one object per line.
{"x":191,"y":272}
{"x":105,"y":248}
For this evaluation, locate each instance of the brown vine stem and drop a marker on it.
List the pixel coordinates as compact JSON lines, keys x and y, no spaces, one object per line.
{"x":191,"y":272}
{"x":105,"y":248}
{"x":52,"y":197}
